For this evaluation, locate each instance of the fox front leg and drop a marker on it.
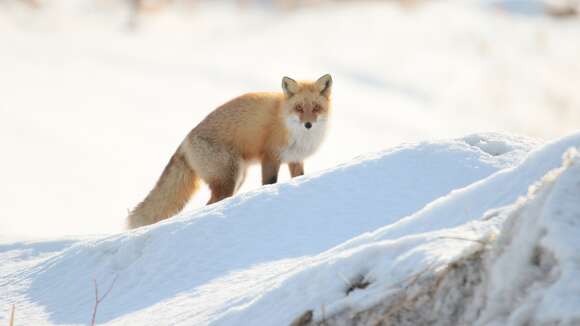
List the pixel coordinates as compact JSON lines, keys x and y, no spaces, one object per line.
{"x":296,"y":169}
{"x":270,"y":168}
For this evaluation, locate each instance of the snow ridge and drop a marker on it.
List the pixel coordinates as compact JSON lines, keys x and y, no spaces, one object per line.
{"x":527,"y":276}
{"x":404,"y":234}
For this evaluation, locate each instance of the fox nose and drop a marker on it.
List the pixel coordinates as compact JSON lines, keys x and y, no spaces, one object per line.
{"x":308,"y":125}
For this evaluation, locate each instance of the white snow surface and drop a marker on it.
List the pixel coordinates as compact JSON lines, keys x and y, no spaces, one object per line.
{"x":519,"y":264}
{"x":534,"y":266}
{"x":267,"y":256}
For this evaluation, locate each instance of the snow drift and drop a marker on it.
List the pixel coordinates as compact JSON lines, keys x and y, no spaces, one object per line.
{"x":528,"y":276}
{"x":435,"y":238}
{"x":400,"y":236}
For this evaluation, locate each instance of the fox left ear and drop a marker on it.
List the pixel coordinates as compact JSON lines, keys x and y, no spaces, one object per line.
{"x":290,"y":86}
{"x":324,"y":85}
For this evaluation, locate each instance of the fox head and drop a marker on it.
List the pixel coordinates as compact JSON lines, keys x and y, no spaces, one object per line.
{"x":306,"y":102}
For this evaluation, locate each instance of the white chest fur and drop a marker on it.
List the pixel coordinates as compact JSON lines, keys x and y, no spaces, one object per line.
{"x":302,"y":142}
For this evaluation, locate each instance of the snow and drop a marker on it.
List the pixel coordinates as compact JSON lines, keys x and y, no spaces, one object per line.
{"x":267,"y":256}
{"x":231,"y":236}
{"x":520,"y":269}
{"x":429,"y":238}
{"x":430,"y":217}
{"x":534,"y":267}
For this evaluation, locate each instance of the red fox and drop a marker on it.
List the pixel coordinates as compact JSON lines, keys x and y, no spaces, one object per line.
{"x":270,"y":128}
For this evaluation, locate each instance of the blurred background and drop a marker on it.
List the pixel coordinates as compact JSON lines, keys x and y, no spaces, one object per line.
{"x":95,"y":95}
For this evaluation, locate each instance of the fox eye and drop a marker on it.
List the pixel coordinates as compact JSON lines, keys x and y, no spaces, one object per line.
{"x":299,"y":108}
{"x":317,"y":108}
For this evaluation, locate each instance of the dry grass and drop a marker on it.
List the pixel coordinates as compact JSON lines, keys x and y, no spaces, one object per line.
{"x":304,"y":319}
{"x":420,"y":296}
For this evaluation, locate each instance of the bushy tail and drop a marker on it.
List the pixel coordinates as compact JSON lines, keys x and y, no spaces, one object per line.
{"x":173,"y":190}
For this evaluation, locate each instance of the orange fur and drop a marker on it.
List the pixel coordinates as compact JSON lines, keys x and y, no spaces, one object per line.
{"x":271,"y":128}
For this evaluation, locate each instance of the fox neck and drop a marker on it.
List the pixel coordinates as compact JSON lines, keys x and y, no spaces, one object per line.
{"x":302,"y":142}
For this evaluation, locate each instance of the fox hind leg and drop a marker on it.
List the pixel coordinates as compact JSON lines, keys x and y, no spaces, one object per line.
{"x":270,"y":168}
{"x":228,"y":183}
{"x":220,"y":191}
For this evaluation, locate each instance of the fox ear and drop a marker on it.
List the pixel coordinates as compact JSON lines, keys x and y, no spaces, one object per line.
{"x":290,"y":86}
{"x":324,"y":85}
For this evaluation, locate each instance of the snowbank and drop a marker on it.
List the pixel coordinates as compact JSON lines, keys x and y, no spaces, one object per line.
{"x":217,"y":261}
{"x":532,"y":271}
{"x":528,"y":276}
{"x":435,"y":236}
{"x":421,"y":230}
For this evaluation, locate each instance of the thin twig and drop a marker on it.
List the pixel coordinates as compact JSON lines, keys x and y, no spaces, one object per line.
{"x":11,"y":322}
{"x":99,"y":299}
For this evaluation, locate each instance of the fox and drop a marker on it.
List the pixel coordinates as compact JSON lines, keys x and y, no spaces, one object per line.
{"x":269,"y":128}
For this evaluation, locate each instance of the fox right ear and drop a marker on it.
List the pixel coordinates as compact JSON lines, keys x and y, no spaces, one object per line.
{"x":324,"y":85}
{"x":290,"y":86}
